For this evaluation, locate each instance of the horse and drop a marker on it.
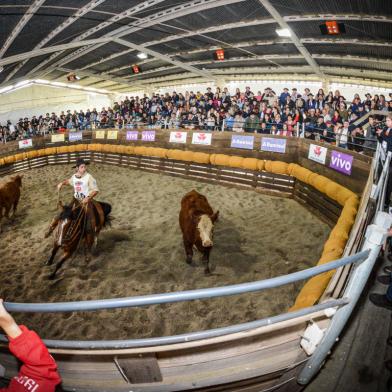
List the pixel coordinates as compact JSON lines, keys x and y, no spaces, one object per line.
{"x":9,"y":196}
{"x":76,"y":223}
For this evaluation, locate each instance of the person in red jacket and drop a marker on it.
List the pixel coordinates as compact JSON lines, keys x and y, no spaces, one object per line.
{"x":39,"y":370}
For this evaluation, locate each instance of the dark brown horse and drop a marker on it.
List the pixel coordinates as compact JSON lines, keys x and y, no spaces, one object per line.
{"x":74,"y":224}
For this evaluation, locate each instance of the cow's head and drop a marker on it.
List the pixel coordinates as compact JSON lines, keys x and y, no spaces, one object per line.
{"x":205,"y":226}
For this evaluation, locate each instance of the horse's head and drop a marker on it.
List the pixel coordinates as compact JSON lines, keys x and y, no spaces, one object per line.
{"x":66,"y":216}
{"x":205,"y":226}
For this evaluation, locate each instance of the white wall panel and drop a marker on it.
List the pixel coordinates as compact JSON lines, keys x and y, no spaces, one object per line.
{"x":39,"y":99}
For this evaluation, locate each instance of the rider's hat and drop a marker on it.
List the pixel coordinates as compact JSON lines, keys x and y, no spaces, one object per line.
{"x":80,"y":161}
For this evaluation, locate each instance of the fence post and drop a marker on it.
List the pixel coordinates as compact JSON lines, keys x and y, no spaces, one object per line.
{"x":374,"y":238}
{"x":302,"y":134}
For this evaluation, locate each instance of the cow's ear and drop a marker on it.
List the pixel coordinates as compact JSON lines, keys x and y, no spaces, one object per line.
{"x":214,"y":217}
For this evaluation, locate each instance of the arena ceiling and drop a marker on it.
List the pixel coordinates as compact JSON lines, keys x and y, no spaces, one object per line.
{"x":99,"y":40}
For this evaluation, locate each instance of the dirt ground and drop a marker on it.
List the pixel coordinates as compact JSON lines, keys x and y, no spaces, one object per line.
{"x":256,"y":237}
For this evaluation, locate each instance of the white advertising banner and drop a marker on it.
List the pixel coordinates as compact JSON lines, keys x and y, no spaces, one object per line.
{"x":178,"y":137}
{"x":202,"y":138}
{"x":26,"y":143}
{"x":317,"y":153}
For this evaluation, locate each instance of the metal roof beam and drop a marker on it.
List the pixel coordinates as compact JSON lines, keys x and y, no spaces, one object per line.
{"x":162,"y":16}
{"x":342,"y":17}
{"x":77,"y":15}
{"x":352,"y":58}
{"x":108,"y":58}
{"x":296,"y":41}
{"x":114,"y":19}
{"x":51,"y":49}
{"x":20,"y":25}
{"x":94,"y":75}
{"x":186,"y":66}
{"x":232,"y":59}
{"x":244,"y":44}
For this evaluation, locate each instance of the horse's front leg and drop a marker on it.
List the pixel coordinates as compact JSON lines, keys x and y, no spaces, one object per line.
{"x":66,"y":255}
{"x":88,"y":244}
{"x":54,"y":251}
{"x":52,"y":226}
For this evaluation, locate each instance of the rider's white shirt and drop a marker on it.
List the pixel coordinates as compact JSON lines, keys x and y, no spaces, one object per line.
{"x":83,"y":186}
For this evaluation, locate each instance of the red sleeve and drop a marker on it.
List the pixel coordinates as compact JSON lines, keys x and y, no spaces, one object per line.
{"x":39,"y":370}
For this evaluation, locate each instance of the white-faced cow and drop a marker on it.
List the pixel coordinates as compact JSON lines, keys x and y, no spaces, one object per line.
{"x":197,"y":224}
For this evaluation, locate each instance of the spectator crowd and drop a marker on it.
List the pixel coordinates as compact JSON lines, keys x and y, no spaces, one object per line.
{"x":323,"y":116}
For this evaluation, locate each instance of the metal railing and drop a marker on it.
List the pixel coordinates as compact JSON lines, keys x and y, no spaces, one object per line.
{"x":181,"y":296}
{"x":375,"y":237}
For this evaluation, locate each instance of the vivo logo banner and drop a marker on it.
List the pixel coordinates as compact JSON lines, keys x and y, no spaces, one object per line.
{"x":239,"y":141}
{"x":341,"y":162}
{"x":273,"y":145}
{"x":148,"y":136}
{"x":132,"y":135}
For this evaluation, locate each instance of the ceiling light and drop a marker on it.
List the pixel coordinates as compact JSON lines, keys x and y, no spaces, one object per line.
{"x":142,"y":56}
{"x":283,"y":32}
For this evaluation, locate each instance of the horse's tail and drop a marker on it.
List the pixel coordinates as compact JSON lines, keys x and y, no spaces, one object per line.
{"x":107,"y":209}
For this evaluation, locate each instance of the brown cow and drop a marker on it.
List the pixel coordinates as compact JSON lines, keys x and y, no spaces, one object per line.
{"x":9,"y":196}
{"x":197,"y":224}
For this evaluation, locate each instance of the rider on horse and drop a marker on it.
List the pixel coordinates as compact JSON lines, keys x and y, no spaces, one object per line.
{"x":85,"y":189}
{"x":85,"y":186}
{"x":81,"y":221}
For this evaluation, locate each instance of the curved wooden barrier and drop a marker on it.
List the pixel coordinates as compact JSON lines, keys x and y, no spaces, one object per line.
{"x":258,"y":357}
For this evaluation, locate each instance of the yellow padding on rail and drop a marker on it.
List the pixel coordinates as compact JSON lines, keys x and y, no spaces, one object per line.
{"x":278,"y":167}
{"x":140,"y":150}
{"x":312,"y":290}
{"x":260,"y":164}
{"x":220,"y":159}
{"x":201,"y":157}
{"x":319,"y":182}
{"x":9,"y":159}
{"x":20,"y":156}
{"x":301,"y":173}
{"x":250,"y":163}
{"x":235,"y":161}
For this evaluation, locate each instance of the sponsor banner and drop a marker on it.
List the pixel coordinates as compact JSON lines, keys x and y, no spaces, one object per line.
{"x":100,"y":134}
{"x":26,"y":143}
{"x":178,"y":137}
{"x":74,"y":136}
{"x":317,"y":153}
{"x":273,"y":145}
{"x":112,"y":135}
{"x":148,"y":136}
{"x":240,"y":141}
{"x":131,"y":135}
{"x":58,"y":138}
{"x":202,"y":138}
{"x":341,"y":162}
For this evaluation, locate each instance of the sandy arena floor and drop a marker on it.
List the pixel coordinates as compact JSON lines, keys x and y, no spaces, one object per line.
{"x":256,"y":237}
